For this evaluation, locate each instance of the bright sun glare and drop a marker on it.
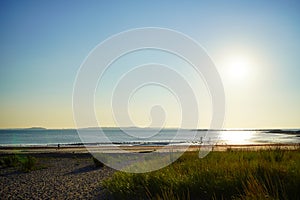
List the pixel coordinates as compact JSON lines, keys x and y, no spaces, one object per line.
{"x":238,"y":68}
{"x":236,"y":137}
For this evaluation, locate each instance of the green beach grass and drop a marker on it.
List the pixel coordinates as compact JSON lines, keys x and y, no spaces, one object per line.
{"x":263,"y":174}
{"x":24,"y":163}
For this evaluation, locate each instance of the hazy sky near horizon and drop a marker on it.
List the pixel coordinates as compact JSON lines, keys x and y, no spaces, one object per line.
{"x":254,"y":44}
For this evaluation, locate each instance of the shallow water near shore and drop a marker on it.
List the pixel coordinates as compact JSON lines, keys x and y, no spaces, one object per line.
{"x":144,"y":136}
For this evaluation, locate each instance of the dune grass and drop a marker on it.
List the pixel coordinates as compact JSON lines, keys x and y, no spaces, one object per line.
{"x":24,"y":163}
{"x":264,"y":174}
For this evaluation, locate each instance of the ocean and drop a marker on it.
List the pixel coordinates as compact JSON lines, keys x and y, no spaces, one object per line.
{"x":144,"y":136}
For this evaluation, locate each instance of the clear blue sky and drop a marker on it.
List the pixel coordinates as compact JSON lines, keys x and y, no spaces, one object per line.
{"x":43,"y":44}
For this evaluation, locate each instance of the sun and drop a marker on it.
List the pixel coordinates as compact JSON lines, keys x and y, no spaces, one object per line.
{"x":238,"y":68}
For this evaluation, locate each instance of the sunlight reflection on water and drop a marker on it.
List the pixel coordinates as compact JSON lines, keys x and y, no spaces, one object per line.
{"x":237,"y":137}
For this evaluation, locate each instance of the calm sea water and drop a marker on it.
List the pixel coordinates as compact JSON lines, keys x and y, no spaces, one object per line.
{"x":136,"y":136}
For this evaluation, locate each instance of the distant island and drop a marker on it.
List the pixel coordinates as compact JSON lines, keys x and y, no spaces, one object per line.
{"x":35,"y":128}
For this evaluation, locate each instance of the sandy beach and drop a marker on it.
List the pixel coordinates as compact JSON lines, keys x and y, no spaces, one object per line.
{"x":135,"y":148}
{"x":62,"y":176}
{"x":69,"y":172}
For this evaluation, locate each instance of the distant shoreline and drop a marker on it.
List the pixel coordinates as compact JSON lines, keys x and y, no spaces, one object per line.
{"x":272,"y":130}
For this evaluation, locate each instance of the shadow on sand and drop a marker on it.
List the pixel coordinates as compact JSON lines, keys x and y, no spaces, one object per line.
{"x":84,"y":169}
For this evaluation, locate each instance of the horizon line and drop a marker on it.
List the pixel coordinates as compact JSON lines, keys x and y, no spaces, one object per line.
{"x":120,"y":127}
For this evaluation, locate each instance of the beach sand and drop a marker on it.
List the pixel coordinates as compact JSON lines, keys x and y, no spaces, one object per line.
{"x":136,"y":148}
{"x":63,"y":176}
{"x":69,"y":172}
